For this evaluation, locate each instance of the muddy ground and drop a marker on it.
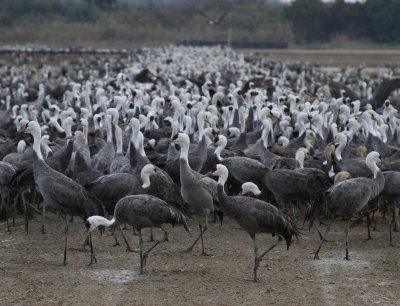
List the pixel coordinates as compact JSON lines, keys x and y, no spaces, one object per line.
{"x":29,"y":274}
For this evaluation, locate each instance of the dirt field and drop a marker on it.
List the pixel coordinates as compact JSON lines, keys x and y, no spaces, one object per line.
{"x":29,"y":275}
{"x":334,"y":58}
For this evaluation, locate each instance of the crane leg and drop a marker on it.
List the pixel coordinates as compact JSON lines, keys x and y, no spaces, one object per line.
{"x":165,"y":235}
{"x":258,"y":259}
{"x":141,"y":251}
{"x":391,"y":223}
{"x":151,"y":235}
{"x":65,"y":239}
{"x":157,"y":242}
{"x":92,"y":257}
{"x":202,"y":230}
{"x":322,"y":240}
{"x":396,"y":218}
{"x":115,"y":238}
{"x":128,"y":247}
{"x":7,"y":205}
{"x":390,"y":233}
{"x":253,"y":237}
{"x":201,"y":237}
{"x":369,"y":237}
{"x":146,"y":254}
{"x":15,"y":207}
{"x":26,"y":212}
{"x":346,"y":231}
{"x":43,"y":218}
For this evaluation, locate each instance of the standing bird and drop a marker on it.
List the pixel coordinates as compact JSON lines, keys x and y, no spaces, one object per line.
{"x":140,"y":211}
{"x":255,"y":216}
{"x":390,"y":198}
{"x":192,"y":191}
{"x":59,"y":191}
{"x":349,"y":197}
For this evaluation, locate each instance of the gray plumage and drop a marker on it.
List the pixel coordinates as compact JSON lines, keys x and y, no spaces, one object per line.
{"x":348,"y":197}
{"x":199,"y":199}
{"x":141,"y":211}
{"x":255,"y":216}
{"x":109,"y":189}
{"x":390,"y":197}
{"x":302,"y":185}
{"x":58,"y":190}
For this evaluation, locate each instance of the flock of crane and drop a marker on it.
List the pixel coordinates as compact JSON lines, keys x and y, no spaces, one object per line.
{"x":139,"y":138}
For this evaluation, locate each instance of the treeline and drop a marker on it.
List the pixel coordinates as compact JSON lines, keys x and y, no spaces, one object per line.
{"x":163,"y":21}
{"x":373,"y":20}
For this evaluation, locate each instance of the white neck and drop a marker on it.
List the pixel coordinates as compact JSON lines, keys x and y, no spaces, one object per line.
{"x":118,"y":136}
{"x":109,"y":130}
{"x":253,"y":188}
{"x":185,"y":152}
{"x":97,"y":221}
{"x":54,"y":122}
{"x":219,"y":149}
{"x":300,"y":158}
{"x":46,"y":148}
{"x":85,"y":132}
{"x":222,"y":179}
{"x":140,"y":147}
{"x":339,"y":149}
{"x":373,"y":167}
{"x":145,"y":179}
{"x":68,"y":130}
{"x":36,"y":142}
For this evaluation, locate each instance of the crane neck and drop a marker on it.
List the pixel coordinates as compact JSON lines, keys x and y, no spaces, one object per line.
{"x":300,"y":158}
{"x":118,"y":138}
{"x":145,"y":179}
{"x":374,"y":168}
{"x":36,"y":143}
{"x":185,"y":152}
{"x":223,"y":177}
{"x":97,"y":221}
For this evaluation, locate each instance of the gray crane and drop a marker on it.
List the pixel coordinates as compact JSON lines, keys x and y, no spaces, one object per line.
{"x":255,"y":216}
{"x":349,"y":197}
{"x":390,"y":197}
{"x":241,"y":169}
{"x":192,"y":192}
{"x":59,"y":191}
{"x":140,"y":211}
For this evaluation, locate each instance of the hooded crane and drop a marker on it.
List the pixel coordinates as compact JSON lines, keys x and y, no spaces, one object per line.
{"x":140,"y":211}
{"x":59,"y":191}
{"x":192,"y":192}
{"x":349,"y":197}
{"x":255,"y":216}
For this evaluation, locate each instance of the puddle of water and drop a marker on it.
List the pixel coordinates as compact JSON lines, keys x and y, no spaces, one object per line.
{"x":112,"y":275}
{"x":338,"y":262}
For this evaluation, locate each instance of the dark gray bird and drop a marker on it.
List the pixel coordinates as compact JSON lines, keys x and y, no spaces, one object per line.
{"x":140,"y":211}
{"x":103,"y":159}
{"x":304,"y":185}
{"x":192,"y":192}
{"x":7,"y":171}
{"x":255,"y":216}
{"x":59,"y":191}
{"x":349,"y":197}
{"x":390,"y":197}
{"x":241,"y":169}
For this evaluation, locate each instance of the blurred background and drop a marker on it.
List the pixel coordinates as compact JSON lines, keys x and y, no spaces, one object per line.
{"x":238,"y":23}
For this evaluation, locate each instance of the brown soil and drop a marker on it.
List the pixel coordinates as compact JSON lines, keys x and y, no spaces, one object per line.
{"x":29,"y":276}
{"x":332,"y":57}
